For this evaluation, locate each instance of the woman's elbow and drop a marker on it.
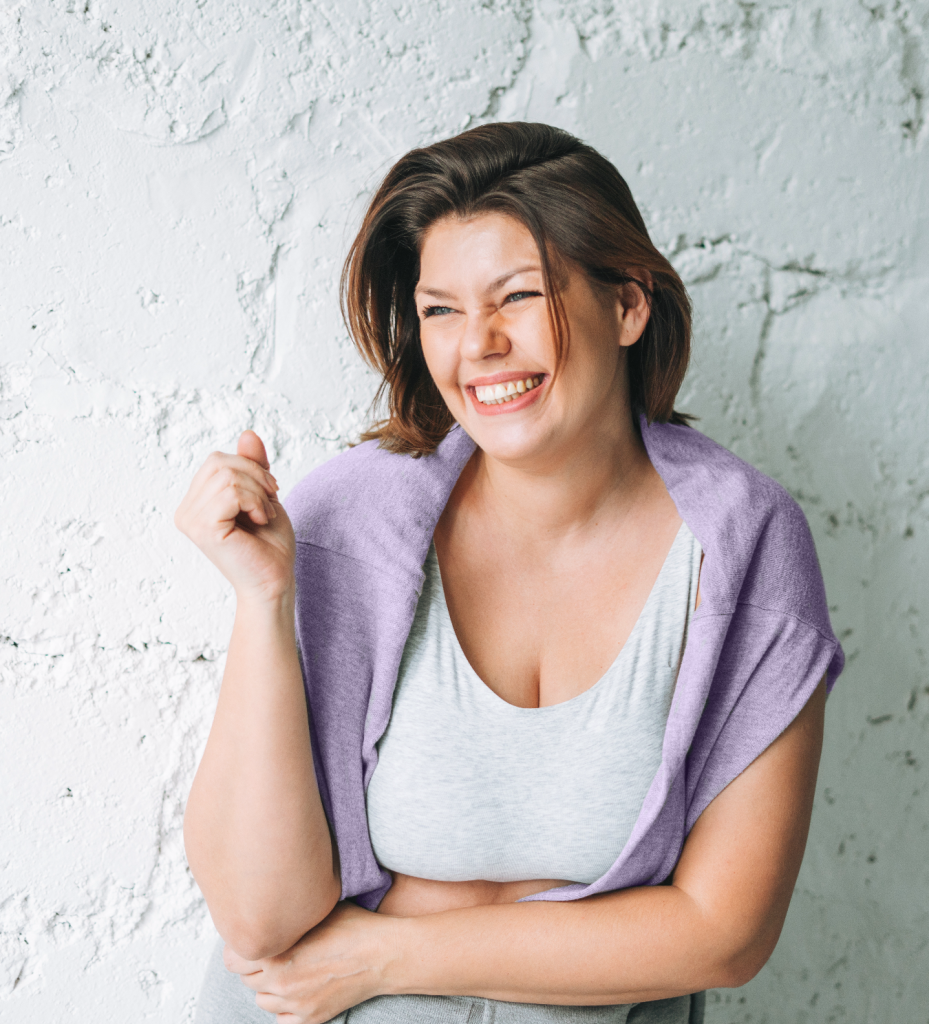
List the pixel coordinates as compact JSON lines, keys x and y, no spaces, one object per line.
{"x":736,"y":974}
{"x":252,"y":944}
{"x":738,"y":966}
{"x":259,"y":936}
{"x":256,"y":944}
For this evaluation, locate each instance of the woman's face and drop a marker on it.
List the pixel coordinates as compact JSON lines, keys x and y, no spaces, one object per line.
{"x":485,"y":330}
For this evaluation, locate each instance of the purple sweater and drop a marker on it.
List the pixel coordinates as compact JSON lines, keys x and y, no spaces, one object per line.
{"x":756,"y":647}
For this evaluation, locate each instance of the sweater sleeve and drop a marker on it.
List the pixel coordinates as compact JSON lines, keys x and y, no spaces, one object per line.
{"x":769,"y":668}
{"x":778,"y":644}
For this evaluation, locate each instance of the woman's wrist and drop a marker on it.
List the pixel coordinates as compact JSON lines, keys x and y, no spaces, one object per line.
{"x":404,"y":961}
{"x":402,"y":957}
{"x":273,"y":603}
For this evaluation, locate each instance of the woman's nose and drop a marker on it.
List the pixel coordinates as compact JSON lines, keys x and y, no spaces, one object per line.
{"x":483,"y":336}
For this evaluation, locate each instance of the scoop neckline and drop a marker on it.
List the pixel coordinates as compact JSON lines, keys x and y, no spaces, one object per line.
{"x":495,"y":698}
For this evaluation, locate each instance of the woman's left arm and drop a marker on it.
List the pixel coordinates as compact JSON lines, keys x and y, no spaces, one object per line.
{"x":714,"y":926}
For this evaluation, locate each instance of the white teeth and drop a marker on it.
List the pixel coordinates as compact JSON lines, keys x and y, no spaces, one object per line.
{"x":494,"y":394}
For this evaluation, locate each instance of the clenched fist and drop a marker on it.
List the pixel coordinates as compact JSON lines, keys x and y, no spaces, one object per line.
{"x":232,"y":513}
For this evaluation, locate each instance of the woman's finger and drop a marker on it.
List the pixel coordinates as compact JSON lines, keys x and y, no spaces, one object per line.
{"x":233,"y":479}
{"x":218,"y":462}
{"x":221,"y":471}
{"x":252,"y":447}
{"x":257,"y":981}
{"x":261,"y":475}
{"x":236,"y":964}
{"x":271,"y":1003}
{"x":219,"y":511}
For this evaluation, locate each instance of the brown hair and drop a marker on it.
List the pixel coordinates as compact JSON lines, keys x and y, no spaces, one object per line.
{"x":577,"y":207}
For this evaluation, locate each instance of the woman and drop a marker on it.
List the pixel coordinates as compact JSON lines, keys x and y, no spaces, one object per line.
{"x":565,"y":658}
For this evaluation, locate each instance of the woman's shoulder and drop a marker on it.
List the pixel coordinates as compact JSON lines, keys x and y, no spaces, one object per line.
{"x":366,"y":495}
{"x":717,"y":492}
{"x":755,"y":536}
{"x":705,"y":473}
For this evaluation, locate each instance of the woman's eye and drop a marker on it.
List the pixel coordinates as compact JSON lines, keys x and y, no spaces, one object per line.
{"x":436,"y":311}
{"x":516,"y":296}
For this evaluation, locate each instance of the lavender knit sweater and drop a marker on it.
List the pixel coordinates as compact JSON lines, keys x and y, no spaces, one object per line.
{"x":756,"y":648}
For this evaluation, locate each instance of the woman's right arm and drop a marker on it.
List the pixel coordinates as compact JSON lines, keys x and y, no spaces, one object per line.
{"x":255,"y":831}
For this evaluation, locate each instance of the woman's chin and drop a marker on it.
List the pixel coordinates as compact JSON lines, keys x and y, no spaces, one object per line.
{"x":510,"y":443}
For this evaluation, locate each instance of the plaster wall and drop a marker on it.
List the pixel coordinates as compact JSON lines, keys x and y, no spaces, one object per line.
{"x":178,"y":185}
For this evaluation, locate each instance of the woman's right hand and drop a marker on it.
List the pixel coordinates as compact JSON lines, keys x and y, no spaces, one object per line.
{"x":232,"y":513}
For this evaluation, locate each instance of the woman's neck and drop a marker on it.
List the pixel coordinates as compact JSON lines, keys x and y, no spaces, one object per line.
{"x":583,"y":485}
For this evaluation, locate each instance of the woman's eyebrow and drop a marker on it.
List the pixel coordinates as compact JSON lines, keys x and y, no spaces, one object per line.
{"x":503,"y":278}
{"x":498,"y":282}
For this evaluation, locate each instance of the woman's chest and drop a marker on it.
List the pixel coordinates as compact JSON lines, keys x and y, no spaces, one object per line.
{"x":469,"y":786}
{"x":538,"y":626}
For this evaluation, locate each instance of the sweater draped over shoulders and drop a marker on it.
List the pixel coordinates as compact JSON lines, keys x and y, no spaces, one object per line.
{"x":756,"y":648}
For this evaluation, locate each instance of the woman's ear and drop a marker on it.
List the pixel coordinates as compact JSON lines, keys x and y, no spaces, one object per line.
{"x":634,"y":306}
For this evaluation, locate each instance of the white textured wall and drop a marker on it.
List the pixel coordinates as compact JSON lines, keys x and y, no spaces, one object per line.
{"x":178,"y":183}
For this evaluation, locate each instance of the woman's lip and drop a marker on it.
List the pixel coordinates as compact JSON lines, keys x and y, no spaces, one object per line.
{"x":503,"y":378}
{"x":519,"y":402}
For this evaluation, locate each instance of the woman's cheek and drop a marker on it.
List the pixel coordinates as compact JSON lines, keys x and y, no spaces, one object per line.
{"x":442,"y":365}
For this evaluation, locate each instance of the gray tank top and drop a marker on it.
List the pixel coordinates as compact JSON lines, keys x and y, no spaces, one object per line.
{"x":470,"y":787}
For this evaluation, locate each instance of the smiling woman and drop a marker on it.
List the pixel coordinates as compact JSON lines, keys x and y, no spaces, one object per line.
{"x":577,"y":212}
{"x":504,"y":322}
{"x":565,"y":659}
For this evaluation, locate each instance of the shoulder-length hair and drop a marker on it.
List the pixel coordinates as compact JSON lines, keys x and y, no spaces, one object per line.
{"x":579,"y":210}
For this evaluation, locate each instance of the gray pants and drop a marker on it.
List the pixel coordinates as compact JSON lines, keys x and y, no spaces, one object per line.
{"x":225,"y":1000}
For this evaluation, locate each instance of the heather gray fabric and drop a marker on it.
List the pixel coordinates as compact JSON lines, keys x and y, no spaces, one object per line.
{"x":463,"y":1010}
{"x":225,"y":1000}
{"x":468,"y":786}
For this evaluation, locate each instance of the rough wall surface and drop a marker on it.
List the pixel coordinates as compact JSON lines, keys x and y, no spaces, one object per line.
{"x":178,"y":183}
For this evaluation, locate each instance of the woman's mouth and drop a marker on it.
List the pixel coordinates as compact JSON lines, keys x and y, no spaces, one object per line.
{"x":508,"y":395}
{"x":497,"y":394}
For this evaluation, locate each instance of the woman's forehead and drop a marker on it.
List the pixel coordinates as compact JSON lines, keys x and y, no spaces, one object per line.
{"x":488,"y":248}
{"x":491,"y":228}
